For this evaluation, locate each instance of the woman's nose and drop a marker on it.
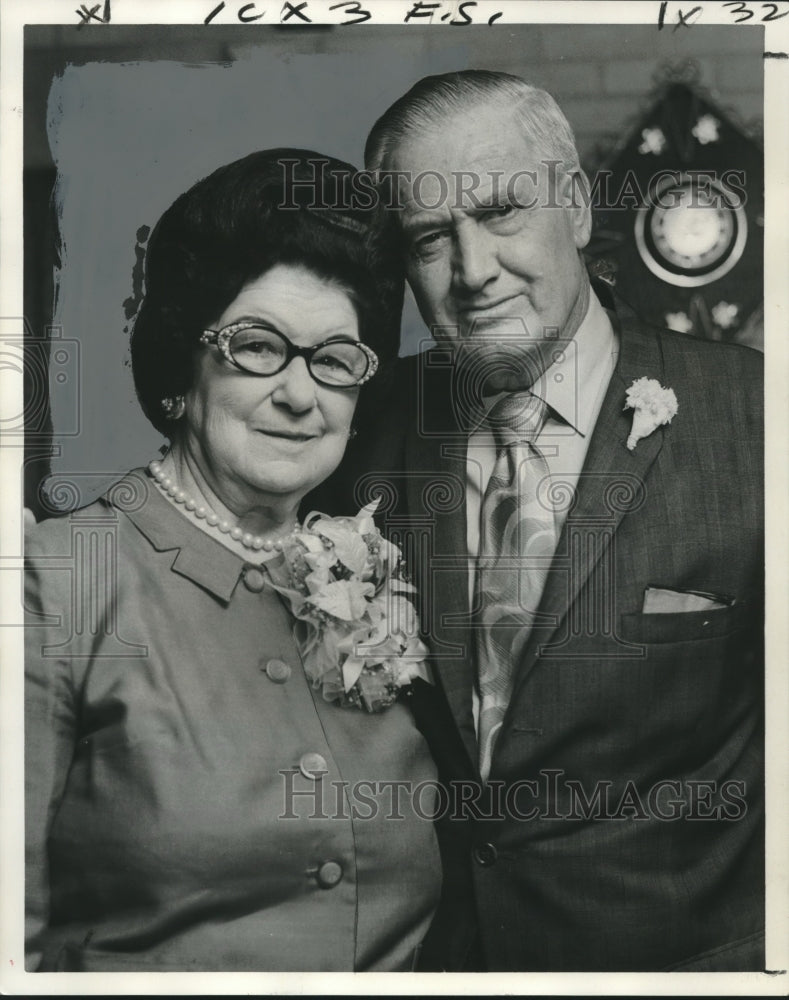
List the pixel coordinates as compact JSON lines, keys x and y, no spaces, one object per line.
{"x":295,"y":387}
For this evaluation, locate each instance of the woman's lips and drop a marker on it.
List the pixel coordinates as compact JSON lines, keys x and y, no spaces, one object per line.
{"x":297,"y":436}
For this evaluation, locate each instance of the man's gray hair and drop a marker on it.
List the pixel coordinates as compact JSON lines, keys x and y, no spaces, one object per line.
{"x":433,"y":98}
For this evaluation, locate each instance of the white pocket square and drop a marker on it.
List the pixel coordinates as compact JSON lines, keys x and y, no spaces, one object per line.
{"x":663,"y":601}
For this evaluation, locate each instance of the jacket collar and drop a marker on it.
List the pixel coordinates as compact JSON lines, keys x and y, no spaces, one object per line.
{"x":198,"y":557}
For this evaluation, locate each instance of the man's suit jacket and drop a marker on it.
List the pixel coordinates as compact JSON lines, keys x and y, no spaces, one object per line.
{"x":628,"y":829}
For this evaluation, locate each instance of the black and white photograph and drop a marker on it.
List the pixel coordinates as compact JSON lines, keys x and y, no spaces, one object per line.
{"x":393,"y":437}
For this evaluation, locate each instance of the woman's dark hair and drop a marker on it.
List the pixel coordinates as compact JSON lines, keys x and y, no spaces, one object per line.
{"x":278,"y":206}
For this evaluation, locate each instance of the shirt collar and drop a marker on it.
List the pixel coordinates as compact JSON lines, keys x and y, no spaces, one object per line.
{"x":571,"y":385}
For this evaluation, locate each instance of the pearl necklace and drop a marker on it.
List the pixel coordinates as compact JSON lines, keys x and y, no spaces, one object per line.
{"x":203,"y":513}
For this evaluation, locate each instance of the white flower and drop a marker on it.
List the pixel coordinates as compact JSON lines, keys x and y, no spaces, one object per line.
{"x":679,"y":321}
{"x":358,"y":631}
{"x":653,"y":406}
{"x":364,"y":519}
{"x":345,"y":600}
{"x":724,"y":314}
{"x":654,"y":141}
{"x":706,"y":129}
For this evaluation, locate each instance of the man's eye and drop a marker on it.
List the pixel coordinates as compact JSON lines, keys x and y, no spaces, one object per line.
{"x":499,"y":211}
{"x":429,"y":243}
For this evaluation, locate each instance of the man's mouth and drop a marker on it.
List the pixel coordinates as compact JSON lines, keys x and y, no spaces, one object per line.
{"x":483,"y":309}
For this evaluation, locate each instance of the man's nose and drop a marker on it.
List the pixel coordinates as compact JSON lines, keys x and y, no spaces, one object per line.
{"x":476,"y":262}
{"x":295,"y":387}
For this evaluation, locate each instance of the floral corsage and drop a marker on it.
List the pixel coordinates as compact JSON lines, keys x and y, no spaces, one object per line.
{"x":356,"y":625}
{"x":653,"y":406}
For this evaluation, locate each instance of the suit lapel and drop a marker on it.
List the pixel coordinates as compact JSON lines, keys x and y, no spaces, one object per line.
{"x":611,"y":483}
{"x":435,"y":498}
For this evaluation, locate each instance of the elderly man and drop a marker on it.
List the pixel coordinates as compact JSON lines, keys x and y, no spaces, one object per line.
{"x":582,"y":499}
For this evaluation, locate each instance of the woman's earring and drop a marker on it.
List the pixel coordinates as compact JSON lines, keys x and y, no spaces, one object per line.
{"x":352,"y":433}
{"x":173,"y":408}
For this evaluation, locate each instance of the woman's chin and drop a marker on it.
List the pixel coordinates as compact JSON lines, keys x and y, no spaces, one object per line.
{"x":282,"y":478}
{"x":295,"y":466}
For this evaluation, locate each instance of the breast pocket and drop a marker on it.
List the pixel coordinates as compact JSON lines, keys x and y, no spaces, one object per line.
{"x":684,"y":626}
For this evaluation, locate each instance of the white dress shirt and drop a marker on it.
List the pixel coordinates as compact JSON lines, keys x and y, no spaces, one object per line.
{"x":574,"y":387}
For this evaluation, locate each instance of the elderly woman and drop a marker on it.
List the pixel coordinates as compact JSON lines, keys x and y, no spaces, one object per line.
{"x":205,"y":790}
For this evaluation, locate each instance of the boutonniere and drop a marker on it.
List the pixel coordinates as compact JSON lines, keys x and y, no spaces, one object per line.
{"x":652,"y":404}
{"x":356,"y":626}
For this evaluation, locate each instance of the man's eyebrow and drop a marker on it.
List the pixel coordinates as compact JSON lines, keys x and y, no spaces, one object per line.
{"x":492,"y":198}
{"x":470,"y":205}
{"x":413,"y":225}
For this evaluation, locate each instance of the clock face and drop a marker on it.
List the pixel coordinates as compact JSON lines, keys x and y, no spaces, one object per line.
{"x":691,"y":234}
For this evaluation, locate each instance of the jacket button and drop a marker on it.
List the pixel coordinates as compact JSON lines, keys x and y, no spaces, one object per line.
{"x":311,"y":763}
{"x":277,"y":671}
{"x":485,"y":855}
{"x":329,"y":875}
{"x":254,"y":579}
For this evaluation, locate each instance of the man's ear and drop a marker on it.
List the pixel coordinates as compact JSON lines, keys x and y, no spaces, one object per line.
{"x":576,"y":198}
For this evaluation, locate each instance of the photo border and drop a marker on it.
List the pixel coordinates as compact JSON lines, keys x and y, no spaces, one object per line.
{"x":13,"y":979}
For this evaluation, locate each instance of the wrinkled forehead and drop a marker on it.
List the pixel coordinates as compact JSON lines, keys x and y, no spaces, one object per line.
{"x":477,"y":157}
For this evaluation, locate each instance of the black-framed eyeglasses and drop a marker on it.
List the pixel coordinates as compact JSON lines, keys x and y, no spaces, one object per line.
{"x":339,"y":362}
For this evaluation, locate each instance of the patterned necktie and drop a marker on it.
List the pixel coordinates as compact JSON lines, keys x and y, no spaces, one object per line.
{"x":517,"y":542}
